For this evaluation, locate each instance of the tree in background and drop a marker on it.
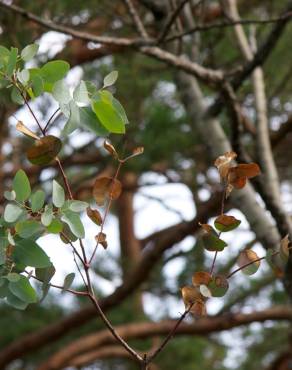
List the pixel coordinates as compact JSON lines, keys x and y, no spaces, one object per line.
{"x":198,"y":79}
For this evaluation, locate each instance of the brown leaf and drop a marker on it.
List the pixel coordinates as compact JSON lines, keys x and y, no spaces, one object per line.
{"x":226,"y":223}
{"x":101,"y":239}
{"x":201,"y":278}
{"x":223,"y":163}
{"x":26,"y":131}
{"x":94,"y":215}
{"x":284,"y":248}
{"x":248,"y":256}
{"x":106,"y":187}
{"x":44,"y":150}
{"x":110,"y":148}
{"x":190,"y":295}
{"x":199,"y":308}
{"x":237,"y":176}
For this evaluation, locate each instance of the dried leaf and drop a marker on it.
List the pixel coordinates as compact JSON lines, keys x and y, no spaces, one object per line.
{"x":223,"y":163}
{"x":110,"y":148}
{"x":44,"y":150}
{"x":248,"y":256}
{"x":225,"y":223}
{"x":101,"y":239}
{"x":199,"y":308}
{"x":94,"y":215}
{"x":190,"y":295}
{"x":201,"y":278}
{"x":237,"y":176}
{"x":106,"y":187}
{"x":26,"y":131}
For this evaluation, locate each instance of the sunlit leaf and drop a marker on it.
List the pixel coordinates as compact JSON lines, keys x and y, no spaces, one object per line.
{"x":110,"y":148}
{"x":29,"y":52}
{"x":54,"y":71}
{"x":238,"y":175}
{"x":25,"y":130}
{"x":190,"y":295}
{"x":110,"y":79}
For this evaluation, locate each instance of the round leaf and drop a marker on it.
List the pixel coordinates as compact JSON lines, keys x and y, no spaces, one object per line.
{"x":44,"y":150}
{"x":225,"y":223}
{"x":246,"y":258}
{"x":21,"y":186}
{"x":218,"y":286}
{"x":106,"y":187}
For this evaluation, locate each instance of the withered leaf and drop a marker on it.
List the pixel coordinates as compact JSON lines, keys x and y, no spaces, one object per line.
{"x":101,"y":239}
{"x":190,"y":295}
{"x":223,"y":163}
{"x":94,"y":215}
{"x":25,"y":130}
{"x":284,"y":248}
{"x":199,"y":308}
{"x":44,"y":150}
{"x":106,"y":188}
{"x":201,"y":278}
{"x":110,"y":148}
{"x":237,"y":176}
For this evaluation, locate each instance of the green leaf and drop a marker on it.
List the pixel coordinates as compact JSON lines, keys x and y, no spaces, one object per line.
{"x":10,"y":195}
{"x":21,"y":186}
{"x":68,"y":281}
{"x":218,"y":286}
{"x":3,"y":245}
{"x":77,"y":205}
{"x":23,"y":76}
{"x":108,"y":115}
{"x":73,"y":221}
{"x":80,"y":94}
{"x":23,"y":290}
{"x":74,"y":119}
{"x":61,"y":92}
{"x":12,"y":213}
{"x":15,"y":302}
{"x":45,"y":274}
{"x":37,"y":85}
{"x":11,"y":61}
{"x":211,"y":240}
{"x":16,"y":96}
{"x":4,"y":56}
{"x":37,"y":200}
{"x":89,"y":121}
{"x":29,"y":52}
{"x":4,"y":288}
{"x":28,"y":252}
{"x":54,"y":71}
{"x":26,"y":229}
{"x":55,"y":226}
{"x":13,"y":277}
{"x":110,"y":79}
{"x":58,"y":194}
{"x":47,"y":216}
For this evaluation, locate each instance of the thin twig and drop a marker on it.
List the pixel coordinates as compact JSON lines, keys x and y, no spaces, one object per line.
{"x":169,"y":336}
{"x":224,"y":24}
{"x":136,"y":18}
{"x":76,"y":292}
{"x":50,"y":119}
{"x":171,"y":20}
{"x":107,"y":210}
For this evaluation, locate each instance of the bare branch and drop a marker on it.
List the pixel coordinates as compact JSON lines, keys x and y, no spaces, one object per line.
{"x":137,"y":20}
